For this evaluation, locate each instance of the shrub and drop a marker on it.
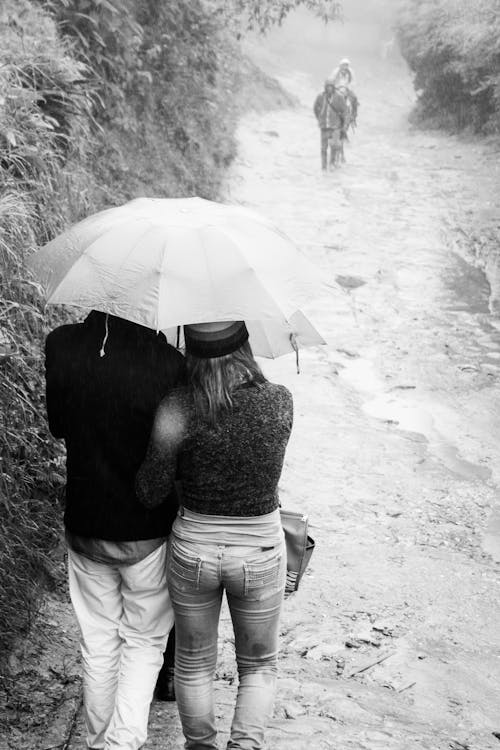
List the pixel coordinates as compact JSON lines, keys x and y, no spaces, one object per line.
{"x":453,"y":47}
{"x":44,"y":110}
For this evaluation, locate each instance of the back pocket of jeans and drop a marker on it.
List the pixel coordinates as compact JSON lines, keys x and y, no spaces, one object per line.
{"x":184,"y":566}
{"x":262,"y":571}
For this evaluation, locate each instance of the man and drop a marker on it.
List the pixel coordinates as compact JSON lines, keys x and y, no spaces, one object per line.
{"x":105,"y":377}
{"x":331,"y":113}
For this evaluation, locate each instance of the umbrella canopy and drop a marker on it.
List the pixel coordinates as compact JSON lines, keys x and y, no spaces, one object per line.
{"x":167,"y":262}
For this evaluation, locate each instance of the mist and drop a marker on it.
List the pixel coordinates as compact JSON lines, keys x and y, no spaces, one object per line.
{"x":304,"y":42}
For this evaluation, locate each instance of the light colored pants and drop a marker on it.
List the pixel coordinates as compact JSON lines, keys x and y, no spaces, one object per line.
{"x":254,"y":581}
{"x":125,"y":615}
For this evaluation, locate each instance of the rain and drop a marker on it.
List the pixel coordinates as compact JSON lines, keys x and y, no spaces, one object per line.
{"x":391,"y":640}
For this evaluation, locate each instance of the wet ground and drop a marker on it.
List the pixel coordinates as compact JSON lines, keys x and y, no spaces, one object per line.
{"x":393,"y":641}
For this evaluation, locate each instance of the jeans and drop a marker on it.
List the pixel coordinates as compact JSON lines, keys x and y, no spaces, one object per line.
{"x":124,"y":613}
{"x":254,"y":581}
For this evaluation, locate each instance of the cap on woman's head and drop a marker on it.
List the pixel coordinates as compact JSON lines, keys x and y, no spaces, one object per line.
{"x":209,"y":340}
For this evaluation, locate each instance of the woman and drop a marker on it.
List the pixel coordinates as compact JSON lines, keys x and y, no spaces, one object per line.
{"x":224,"y":437}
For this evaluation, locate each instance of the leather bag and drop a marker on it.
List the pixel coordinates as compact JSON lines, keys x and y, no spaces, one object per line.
{"x":299,"y":547}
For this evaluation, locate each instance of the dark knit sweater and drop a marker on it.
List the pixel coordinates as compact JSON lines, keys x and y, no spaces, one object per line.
{"x":231,"y":469}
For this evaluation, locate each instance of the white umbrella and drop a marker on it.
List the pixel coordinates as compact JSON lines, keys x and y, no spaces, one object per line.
{"x":167,"y":262}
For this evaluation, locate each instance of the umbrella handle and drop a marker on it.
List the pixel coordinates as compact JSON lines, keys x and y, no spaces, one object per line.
{"x":293,"y":342}
{"x":106,"y":334}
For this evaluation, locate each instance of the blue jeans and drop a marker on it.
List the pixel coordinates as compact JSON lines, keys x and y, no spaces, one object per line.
{"x":254,"y":581}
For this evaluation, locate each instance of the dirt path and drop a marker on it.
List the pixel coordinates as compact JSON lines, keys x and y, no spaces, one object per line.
{"x":395,"y":447}
{"x":393,"y":640}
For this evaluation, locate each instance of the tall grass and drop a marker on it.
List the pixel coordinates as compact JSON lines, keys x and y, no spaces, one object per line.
{"x":44,"y":109}
{"x":99,"y":102}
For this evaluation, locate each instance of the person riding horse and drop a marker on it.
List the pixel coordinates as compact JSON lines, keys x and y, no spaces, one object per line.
{"x":343,"y":78}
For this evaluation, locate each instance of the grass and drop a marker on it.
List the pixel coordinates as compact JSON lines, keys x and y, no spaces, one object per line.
{"x":66,"y":151}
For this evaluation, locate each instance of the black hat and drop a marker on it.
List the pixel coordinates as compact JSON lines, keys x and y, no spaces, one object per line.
{"x":210,"y":340}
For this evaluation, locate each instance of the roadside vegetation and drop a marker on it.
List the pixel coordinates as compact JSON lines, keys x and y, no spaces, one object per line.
{"x":100,"y":101}
{"x":453,"y":49}
{"x":96,"y":106}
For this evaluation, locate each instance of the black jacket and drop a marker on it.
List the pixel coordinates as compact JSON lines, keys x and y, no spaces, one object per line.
{"x":330,"y":111}
{"x":104,"y":407}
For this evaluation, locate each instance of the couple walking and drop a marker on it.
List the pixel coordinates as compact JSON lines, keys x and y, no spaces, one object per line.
{"x":142,"y":423}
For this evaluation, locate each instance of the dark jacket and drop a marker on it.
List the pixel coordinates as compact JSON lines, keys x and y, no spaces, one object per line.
{"x":330,"y":111}
{"x":104,"y":408}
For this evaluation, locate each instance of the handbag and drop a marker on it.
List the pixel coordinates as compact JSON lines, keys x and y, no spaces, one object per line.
{"x":299,"y":547}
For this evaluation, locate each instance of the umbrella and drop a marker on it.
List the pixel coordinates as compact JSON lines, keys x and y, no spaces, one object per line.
{"x":166,"y":262}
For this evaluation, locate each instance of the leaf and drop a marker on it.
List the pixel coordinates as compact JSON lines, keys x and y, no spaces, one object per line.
{"x":11,"y":138}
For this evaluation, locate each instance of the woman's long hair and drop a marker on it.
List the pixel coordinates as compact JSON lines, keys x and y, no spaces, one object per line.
{"x":212,"y":381}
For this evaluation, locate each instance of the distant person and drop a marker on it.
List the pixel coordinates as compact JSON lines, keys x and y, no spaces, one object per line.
{"x":343,"y":78}
{"x":343,"y":74}
{"x":331,"y":114}
{"x":104,"y":380}
{"x":224,"y":437}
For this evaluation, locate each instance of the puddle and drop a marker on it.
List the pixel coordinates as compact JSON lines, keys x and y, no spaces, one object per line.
{"x":450,"y":457}
{"x":468,"y":286}
{"x":414,"y":414}
{"x":361,"y":375}
{"x":408,"y":417}
{"x":491,"y":540}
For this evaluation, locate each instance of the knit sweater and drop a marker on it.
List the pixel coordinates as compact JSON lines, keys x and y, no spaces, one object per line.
{"x":231,"y":469}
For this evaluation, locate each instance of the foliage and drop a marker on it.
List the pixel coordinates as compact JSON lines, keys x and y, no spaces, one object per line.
{"x":44,"y":109}
{"x":62,"y":156}
{"x":263,"y":14}
{"x":453,"y":47}
{"x":106,"y":38}
{"x":160,"y":74}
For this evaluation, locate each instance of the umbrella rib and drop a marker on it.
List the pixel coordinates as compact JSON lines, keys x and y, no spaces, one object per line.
{"x":160,"y":282}
{"x":251,"y":268}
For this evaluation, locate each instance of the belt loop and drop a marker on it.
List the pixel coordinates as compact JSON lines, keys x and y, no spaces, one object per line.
{"x":180,"y":512}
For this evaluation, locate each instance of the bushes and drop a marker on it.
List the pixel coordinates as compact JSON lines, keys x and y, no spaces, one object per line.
{"x":453,"y":47}
{"x":43,"y":109}
{"x":80,"y":128}
{"x":262,"y":14}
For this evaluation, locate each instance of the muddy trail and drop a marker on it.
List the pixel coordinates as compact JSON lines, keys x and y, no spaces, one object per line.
{"x":392,"y":642}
